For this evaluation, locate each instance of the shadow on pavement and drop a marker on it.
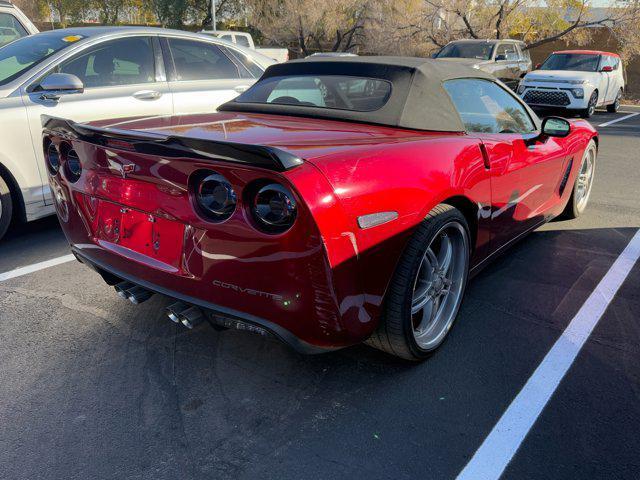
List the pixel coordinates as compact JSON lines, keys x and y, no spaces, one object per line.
{"x":32,"y":242}
{"x":116,"y":391}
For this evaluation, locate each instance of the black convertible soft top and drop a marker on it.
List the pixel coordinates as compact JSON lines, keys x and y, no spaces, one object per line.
{"x":418,"y":99}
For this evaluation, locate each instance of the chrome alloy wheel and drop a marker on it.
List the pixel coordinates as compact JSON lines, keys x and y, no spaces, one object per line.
{"x":585,"y":179}
{"x":439,"y":285}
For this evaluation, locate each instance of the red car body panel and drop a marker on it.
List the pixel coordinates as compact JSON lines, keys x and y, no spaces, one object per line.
{"x":321,"y":284}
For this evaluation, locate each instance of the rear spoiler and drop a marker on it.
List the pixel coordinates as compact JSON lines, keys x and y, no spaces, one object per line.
{"x":173,"y":146}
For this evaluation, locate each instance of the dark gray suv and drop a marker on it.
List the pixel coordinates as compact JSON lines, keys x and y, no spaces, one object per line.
{"x":506,"y":60}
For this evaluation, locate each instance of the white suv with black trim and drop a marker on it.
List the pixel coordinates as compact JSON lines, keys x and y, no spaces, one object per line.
{"x":576,"y":81}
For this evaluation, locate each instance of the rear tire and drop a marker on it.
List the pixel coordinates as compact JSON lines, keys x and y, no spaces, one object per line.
{"x":591,"y":106}
{"x":615,"y":106}
{"x":6,"y":207}
{"x":582,"y":186}
{"x":427,"y":288}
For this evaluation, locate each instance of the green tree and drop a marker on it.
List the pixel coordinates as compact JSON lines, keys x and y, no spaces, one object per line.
{"x":170,"y":13}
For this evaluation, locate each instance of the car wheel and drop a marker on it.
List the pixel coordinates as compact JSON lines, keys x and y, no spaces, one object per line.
{"x":615,"y":106}
{"x":426,"y":291}
{"x":6,"y":207}
{"x":582,"y":186}
{"x":591,"y":106}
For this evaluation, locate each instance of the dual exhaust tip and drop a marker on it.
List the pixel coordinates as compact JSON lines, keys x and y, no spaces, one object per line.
{"x":179,"y":312}
{"x":134,"y":293}
{"x":185,"y":314}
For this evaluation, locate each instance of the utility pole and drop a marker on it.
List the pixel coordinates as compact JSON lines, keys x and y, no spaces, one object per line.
{"x":213,"y":14}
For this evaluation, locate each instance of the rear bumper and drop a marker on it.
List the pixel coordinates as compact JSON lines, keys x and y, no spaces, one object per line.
{"x":284,"y":335}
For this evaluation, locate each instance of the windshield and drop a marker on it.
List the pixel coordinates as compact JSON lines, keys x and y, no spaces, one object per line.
{"x":342,"y":92}
{"x":481,"y":51}
{"x":572,"y":61}
{"x":19,"y":56}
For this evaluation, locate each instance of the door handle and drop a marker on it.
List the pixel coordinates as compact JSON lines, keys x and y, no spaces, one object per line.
{"x":241,"y":88}
{"x":147,"y":95}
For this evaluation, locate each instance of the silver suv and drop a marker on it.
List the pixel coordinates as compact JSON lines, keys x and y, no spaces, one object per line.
{"x":13,"y":23}
{"x":507,"y":60}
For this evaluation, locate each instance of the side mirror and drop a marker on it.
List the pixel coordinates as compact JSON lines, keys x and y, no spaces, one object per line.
{"x":555,"y":127}
{"x":607,"y":68}
{"x":537,"y":67}
{"x":57,"y":84}
{"x":500,"y":57}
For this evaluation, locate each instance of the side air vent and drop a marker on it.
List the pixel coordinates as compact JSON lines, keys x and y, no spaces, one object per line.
{"x":565,"y":177}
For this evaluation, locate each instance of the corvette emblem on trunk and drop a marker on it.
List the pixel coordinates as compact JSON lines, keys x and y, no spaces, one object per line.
{"x":126,"y":169}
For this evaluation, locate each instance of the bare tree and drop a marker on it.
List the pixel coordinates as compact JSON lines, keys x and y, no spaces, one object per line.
{"x":308,"y":25}
{"x":441,"y":21}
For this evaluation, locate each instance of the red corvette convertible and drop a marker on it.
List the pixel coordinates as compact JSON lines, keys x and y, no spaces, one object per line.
{"x":338,"y":200}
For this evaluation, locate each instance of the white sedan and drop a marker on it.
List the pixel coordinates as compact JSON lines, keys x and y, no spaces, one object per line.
{"x":98,"y":73}
{"x":575,"y":80}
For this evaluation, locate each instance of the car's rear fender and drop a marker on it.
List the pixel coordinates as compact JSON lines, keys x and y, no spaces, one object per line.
{"x":287,"y":278}
{"x":408,"y":179}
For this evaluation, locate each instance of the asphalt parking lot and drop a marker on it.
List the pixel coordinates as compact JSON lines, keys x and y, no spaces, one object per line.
{"x":94,"y":387}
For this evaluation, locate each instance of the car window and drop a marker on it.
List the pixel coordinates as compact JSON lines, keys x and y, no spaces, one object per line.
{"x":10,"y":29}
{"x":201,"y":61}
{"x":486,"y":107}
{"x":524,"y":54}
{"x":609,"y":61}
{"x":481,"y":51}
{"x":578,"y":62}
{"x":27,"y":52}
{"x":250,"y":68}
{"x":126,"y":61}
{"x":341,"y":92}
{"x":242,"y":41}
{"x":228,"y":38}
{"x":615,"y":62}
{"x":508,"y":50}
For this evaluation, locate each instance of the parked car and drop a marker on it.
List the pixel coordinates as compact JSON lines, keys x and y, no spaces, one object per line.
{"x":245,"y":39}
{"x":507,"y":60}
{"x":325,"y":218}
{"x":576,"y":81}
{"x":103,"y":72}
{"x":13,"y":23}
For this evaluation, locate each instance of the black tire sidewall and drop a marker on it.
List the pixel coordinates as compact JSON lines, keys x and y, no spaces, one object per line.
{"x":430,"y":228}
{"x":6,"y":207}
{"x":572,"y":207}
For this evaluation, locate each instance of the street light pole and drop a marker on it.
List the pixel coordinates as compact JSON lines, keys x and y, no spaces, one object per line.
{"x":213,"y":14}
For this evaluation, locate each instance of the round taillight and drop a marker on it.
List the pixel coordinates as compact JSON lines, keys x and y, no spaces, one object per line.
{"x":274,"y":208}
{"x":215,"y":197}
{"x":53,"y":159}
{"x":72,"y":165}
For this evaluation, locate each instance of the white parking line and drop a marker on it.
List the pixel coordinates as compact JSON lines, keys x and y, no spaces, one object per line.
{"x":606,"y":124}
{"x":497,"y":450}
{"x":18,"y":272}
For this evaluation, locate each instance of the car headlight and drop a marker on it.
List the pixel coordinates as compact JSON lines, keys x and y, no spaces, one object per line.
{"x":274,"y":208}
{"x":578,"y":92}
{"x":521,"y":89}
{"x":214,"y":196}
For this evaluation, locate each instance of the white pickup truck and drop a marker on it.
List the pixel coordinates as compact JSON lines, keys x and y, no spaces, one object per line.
{"x":245,"y":39}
